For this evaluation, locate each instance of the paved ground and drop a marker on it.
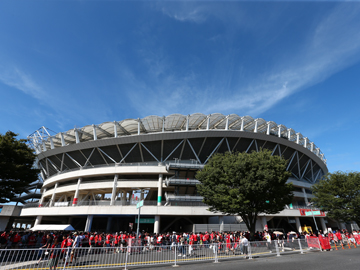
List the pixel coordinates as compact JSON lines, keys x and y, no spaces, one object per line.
{"x":289,"y":260}
{"x":331,"y":260}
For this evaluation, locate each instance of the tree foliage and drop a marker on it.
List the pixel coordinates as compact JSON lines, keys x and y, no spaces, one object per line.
{"x":245,"y":184}
{"x":338,"y":194}
{"x":16,"y":166}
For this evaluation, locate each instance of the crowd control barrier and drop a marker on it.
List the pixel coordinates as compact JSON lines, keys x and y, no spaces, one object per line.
{"x":137,"y":255}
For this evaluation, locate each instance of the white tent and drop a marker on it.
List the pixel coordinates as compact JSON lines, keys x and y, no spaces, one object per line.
{"x":53,"y":227}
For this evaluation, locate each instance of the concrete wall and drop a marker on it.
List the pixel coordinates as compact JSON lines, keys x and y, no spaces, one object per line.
{"x":10,"y":210}
{"x":3,"y":223}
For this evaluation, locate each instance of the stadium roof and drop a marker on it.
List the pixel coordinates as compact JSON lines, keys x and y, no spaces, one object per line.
{"x":44,"y":139}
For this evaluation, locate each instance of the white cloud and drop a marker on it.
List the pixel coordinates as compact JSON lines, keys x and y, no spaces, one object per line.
{"x":184,"y":11}
{"x":14,"y":77}
{"x":332,"y":45}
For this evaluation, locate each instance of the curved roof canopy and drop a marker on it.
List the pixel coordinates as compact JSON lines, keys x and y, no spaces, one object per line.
{"x":43,"y":139}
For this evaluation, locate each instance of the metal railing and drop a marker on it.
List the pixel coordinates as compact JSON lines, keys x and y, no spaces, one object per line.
{"x":147,"y":254}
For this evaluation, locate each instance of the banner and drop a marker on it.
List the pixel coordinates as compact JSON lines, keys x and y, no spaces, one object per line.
{"x":313,"y":242}
{"x":357,"y":238}
{"x":307,"y":212}
{"x":324,"y":241}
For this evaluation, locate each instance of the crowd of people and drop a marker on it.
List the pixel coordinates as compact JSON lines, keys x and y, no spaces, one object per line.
{"x":66,"y":244}
{"x":18,"y":239}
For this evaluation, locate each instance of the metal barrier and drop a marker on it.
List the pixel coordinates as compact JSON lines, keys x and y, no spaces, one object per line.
{"x":137,"y":255}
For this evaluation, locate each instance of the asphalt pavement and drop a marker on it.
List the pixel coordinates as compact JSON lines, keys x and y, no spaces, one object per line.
{"x":326,"y":260}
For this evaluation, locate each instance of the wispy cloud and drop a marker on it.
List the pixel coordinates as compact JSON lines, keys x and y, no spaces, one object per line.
{"x":60,"y":110}
{"x":184,"y":11}
{"x":14,"y":77}
{"x":332,"y":45}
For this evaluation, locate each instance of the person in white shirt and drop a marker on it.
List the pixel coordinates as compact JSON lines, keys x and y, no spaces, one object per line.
{"x":268,"y":241}
{"x":245,"y":244}
{"x":76,"y":244}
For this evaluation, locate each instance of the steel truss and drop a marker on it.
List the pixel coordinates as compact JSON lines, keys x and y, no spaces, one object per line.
{"x":44,"y":139}
{"x":197,"y":151}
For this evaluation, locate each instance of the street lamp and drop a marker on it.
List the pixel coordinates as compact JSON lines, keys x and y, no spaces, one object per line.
{"x":310,"y":204}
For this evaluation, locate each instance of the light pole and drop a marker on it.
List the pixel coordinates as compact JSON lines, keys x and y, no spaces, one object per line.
{"x":310,"y":204}
{"x":138,"y":206}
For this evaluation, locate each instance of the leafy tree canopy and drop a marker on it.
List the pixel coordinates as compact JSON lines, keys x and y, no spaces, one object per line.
{"x":245,"y":184}
{"x":338,"y":194}
{"x":16,"y":166}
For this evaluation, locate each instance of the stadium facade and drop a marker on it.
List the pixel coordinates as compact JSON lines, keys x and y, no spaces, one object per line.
{"x":93,"y":176}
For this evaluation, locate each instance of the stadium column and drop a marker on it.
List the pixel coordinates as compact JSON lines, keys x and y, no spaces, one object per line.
{"x":157,"y":224}
{"x":108,"y":226}
{"x":160,"y":189}
{"x":42,"y":198}
{"x":123,"y":197}
{"x":323,"y":225}
{"x":221,"y":222}
{"x":298,"y":224}
{"x":305,"y":196}
{"x":113,"y":194}
{"x":88,"y":224}
{"x":76,"y":196}
{"x":264,"y":222}
{"x":53,"y":196}
{"x":37,"y":220}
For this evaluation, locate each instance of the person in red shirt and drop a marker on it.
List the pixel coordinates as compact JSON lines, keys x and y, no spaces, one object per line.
{"x":91,"y":241}
{"x":205,"y":239}
{"x":43,"y":239}
{"x":195,"y":238}
{"x":15,"y":239}
{"x":339,"y":237}
{"x":123,"y":241}
{"x":32,"y":240}
{"x":54,"y":255}
{"x":108,"y":240}
{"x":63,"y":244}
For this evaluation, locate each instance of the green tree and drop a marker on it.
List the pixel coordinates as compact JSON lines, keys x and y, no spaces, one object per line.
{"x":246,"y":185}
{"x":16,"y":166}
{"x":338,"y":194}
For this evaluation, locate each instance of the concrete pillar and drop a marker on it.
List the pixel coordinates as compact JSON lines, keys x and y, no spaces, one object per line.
{"x":323,"y":225}
{"x":53,"y":195}
{"x":157,"y":224}
{"x":42,"y":198}
{"x":70,"y":219}
{"x":108,"y":226}
{"x":298,"y":224}
{"x":88,"y":224}
{"x":142,"y":195}
{"x":123,"y":197}
{"x":305,"y":196}
{"x":160,"y":183}
{"x":38,"y":220}
{"x":113,"y":194}
{"x":221,"y":222}
{"x":76,"y":196}
{"x":264,"y":223}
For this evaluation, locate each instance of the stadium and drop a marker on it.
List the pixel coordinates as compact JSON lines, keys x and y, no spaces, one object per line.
{"x":94,"y":176}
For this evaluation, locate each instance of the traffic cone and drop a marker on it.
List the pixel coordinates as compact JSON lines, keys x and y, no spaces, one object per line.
{"x":335,"y":245}
{"x":355,"y":245}
{"x":349,"y":244}
{"x":342,"y":245}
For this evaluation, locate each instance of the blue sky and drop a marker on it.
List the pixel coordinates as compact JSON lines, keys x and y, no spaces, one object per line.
{"x":74,"y":63}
